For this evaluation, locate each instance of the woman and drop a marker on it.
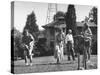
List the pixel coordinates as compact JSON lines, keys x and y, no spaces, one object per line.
{"x":59,"y":46}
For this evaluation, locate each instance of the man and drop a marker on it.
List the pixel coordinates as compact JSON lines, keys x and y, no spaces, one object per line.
{"x":28,"y":42}
{"x":87,"y":33}
{"x":70,"y":45}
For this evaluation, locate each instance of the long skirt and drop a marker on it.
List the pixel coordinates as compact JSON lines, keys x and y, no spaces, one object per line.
{"x":58,"y":54}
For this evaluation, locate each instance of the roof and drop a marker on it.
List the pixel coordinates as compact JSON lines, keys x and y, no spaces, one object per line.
{"x":61,"y":24}
{"x":90,"y":24}
{"x":49,"y":24}
{"x":55,"y":24}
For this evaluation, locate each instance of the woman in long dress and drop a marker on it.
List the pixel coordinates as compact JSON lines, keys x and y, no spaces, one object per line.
{"x":59,"y":46}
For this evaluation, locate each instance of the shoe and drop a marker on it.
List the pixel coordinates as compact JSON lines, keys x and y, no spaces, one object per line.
{"x":73,"y":59}
{"x":26,"y":64}
{"x":32,"y":54}
{"x":81,"y":68}
{"x":58,"y":62}
{"x":31,"y":64}
{"x":69,"y":59}
{"x":88,"y":61}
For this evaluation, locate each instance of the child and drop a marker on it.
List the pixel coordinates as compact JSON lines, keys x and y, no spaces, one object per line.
{"x":28,"y":41}
{"x":87,"y":33}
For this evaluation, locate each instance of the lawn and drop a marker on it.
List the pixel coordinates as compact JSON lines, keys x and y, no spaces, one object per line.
{"x":48,"y":64}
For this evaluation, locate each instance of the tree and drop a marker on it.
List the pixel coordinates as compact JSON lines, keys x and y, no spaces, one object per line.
{"x":58,"y":14}
{"x":31,"y":24}
{"x":93,"y":14}
{"x":16,"y":42}
{"x":70,"y":18}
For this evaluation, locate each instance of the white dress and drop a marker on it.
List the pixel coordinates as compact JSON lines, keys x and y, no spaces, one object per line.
{"x":58,"y":54}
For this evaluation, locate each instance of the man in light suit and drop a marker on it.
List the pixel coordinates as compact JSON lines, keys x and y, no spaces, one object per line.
{"x":70,"y":45}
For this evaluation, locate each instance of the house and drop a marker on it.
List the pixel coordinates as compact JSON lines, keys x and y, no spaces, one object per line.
{"x":51,"y":30}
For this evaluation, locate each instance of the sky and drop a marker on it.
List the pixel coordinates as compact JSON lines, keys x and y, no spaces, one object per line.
{"x":22,"y":9}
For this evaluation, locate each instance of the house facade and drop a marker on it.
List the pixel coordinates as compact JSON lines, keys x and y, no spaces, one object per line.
{"x":50,"y":30}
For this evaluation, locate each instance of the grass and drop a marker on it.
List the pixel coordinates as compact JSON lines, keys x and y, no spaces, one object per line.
{"x":48,"y":64}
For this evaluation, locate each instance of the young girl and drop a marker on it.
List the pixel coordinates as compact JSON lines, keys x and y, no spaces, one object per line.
{"x":87,"y":33}
{"x":28,"y":42}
